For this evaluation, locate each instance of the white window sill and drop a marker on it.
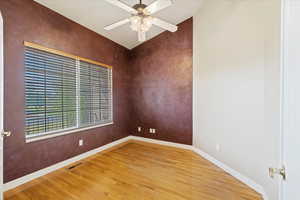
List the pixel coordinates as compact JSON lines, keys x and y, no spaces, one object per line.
{"x":64,"y":132}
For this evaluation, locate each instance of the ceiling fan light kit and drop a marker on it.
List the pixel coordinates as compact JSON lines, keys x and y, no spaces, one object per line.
{"x":141,"y":19}
{"x":141,"y":23}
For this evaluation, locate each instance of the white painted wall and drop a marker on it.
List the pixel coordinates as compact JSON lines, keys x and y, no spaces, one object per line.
{"x":237,"y":86}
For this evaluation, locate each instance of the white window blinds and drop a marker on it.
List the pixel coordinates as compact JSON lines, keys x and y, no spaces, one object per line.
{"x":95,"y":94}
{"x":63,"y":93}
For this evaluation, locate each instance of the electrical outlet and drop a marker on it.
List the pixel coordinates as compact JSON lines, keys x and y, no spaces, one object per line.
{"x":139,"y":129}
{"x":218,"y":148}
{"x":80,"y":142}
{"x":152,"y":130}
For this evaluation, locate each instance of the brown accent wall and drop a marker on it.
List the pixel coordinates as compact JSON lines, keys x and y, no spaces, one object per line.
{"x":25,"y":20}
{"x":161,"y":90}
{"x":152,"y":85}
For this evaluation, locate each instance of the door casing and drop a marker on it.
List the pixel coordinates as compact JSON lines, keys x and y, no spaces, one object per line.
{"x":290,"y":46}
{"x":1,"y":103}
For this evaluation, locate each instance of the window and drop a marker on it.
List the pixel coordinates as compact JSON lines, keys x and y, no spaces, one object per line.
{"x":64,"y":93}
{"x":95,"y":94}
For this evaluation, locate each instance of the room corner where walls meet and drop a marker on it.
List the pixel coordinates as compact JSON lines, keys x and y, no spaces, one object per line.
{"x":161,"y":86}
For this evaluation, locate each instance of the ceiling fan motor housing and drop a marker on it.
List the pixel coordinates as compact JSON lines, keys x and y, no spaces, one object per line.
{"x":140,"y":8}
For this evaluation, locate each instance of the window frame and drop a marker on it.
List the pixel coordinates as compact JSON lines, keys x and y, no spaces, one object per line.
{"x":77,"y":128}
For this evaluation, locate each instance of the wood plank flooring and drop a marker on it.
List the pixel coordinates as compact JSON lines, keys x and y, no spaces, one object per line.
{"x":137,"y":171}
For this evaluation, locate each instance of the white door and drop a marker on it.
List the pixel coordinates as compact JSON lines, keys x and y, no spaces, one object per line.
{"x":291,"y":100}
{"x":1,"y":105}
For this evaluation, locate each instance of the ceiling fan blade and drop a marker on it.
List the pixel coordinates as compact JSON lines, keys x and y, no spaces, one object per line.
{"x":123,"y":6}
{"x":165,"y":25}
{"x":141,"y":36}
{"x":157,"y":6}
{"x":117,"y":24}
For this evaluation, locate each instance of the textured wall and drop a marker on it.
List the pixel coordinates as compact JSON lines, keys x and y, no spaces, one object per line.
{"x":152,"y":89}
{"x":25,"y":20}
{"x":161,"y":86}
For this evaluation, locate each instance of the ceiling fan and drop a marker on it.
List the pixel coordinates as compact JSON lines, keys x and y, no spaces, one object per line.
{"x":141,"y":17}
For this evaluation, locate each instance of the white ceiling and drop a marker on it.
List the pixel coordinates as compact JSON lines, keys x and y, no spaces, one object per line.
{"x":95,"y":14}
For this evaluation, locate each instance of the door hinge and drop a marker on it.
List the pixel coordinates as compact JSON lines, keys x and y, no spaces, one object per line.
{"x":5,"y":133}
{"x":273,"y":171}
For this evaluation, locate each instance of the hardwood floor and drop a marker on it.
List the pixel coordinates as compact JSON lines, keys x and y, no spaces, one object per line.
{"x":137,"y":171}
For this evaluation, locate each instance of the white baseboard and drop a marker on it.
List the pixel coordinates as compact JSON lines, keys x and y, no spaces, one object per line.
{"x":171,"y":144}
{"x":17,"y":182}
{"x":42,"y":172}
{"x":252,"y":184}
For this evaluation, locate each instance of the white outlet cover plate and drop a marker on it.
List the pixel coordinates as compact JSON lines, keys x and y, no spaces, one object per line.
{"x":218,"y":147}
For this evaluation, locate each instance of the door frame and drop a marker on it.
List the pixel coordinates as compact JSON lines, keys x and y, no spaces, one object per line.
{"x":1,"y":101}
{"x":283,"y":95}
{"x":285,"y":107}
